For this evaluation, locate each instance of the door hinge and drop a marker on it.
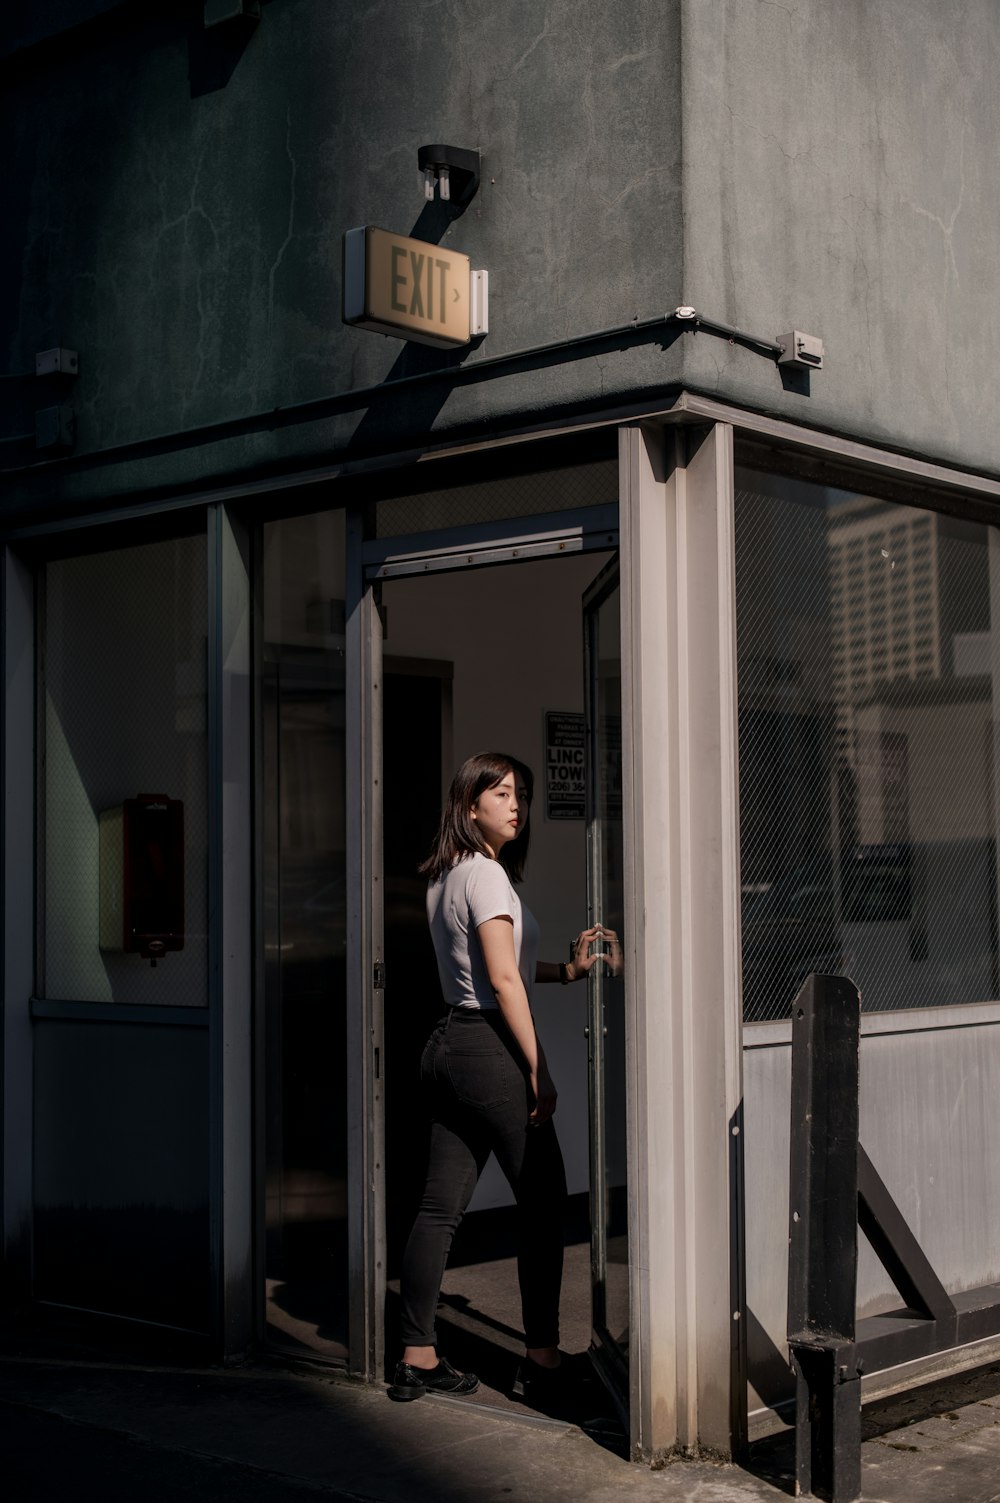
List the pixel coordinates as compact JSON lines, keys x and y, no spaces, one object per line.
{"x":378,"y":976}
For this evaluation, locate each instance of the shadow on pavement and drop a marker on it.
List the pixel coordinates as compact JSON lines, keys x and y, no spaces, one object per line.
{"x":112,"y":1415}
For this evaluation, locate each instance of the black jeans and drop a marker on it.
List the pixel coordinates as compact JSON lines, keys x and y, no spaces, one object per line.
{"x":475,"y":1083}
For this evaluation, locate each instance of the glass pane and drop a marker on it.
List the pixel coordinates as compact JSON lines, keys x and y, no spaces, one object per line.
{"x":611,"y":1294}
{"x":868,"y":668}
{"x":124,"y":781}
{"x":542,"y":491}
{"x":304,"y":875}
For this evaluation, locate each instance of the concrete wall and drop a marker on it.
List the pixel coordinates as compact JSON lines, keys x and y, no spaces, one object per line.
{"x":941,"y":1071}
{"x":838,"y":178}
{"x":178,"y":202}
{"x":178,"y":199}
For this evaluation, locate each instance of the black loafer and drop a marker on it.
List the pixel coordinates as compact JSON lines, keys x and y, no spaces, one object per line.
{"x":413,"y":1382}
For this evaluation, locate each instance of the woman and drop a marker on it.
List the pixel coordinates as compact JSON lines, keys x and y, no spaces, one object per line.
{"x":484,"y":1074}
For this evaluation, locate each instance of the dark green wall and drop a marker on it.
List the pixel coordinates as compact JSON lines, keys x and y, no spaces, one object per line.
{"x":179,"y":202}
{"x":121,"y":1170}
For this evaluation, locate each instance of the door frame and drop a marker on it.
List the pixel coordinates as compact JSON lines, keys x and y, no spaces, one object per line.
{"x":609,"y":1359}
{"x":682,"y":915}
{"x":18,"y":653}
{"x":513,"y":541}
{"x":365,"y":962}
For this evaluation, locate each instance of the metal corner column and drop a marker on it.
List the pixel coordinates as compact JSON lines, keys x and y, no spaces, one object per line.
{"x":17,"y":750}
{"x":364,"y":1043}
{"x":682,"y":922}
{"x":230,"y":931}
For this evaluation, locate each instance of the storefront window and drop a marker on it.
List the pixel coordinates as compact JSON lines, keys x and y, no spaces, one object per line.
{"x":869,"y":680}
{"x":123,"y":782}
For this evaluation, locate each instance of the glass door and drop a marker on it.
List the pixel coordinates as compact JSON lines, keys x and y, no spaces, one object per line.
{"x":606,"y":1020}
{"x":304,"y":930}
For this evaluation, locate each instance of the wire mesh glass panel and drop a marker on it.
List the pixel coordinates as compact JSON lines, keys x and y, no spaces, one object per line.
{"x":594,"y":484}
{"x":123,"y":780}
{"x":869,"y":673}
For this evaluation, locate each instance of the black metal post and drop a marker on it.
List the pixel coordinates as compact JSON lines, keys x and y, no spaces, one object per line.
{"x":823,"y":1237}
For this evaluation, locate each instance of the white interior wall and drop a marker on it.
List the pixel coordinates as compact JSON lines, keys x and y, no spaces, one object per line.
{"x":515,"y":636}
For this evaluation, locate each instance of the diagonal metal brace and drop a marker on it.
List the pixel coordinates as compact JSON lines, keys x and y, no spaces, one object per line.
{"x":904,"y":1260}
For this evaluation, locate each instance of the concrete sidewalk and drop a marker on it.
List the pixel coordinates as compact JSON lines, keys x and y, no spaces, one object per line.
{"x":132,"y":1433}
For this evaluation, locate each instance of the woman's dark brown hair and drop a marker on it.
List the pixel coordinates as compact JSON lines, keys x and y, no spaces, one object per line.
{"x":458,"y":835}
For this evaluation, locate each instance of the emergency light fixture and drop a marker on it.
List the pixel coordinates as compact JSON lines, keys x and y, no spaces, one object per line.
{"x":454,"y":170}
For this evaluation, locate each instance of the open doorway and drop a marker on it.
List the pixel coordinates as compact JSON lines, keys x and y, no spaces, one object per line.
{"x":492,"y":658}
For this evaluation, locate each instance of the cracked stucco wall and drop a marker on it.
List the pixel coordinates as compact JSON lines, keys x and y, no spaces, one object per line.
{"x":839,"y":177}
{"x":176,"y":213}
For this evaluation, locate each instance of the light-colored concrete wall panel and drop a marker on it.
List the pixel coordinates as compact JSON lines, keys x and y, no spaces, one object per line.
{"x":682,"y":936}
{"x":838,"y":169}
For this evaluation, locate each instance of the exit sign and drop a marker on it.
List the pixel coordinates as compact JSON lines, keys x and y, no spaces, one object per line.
{"x":412,"y":289}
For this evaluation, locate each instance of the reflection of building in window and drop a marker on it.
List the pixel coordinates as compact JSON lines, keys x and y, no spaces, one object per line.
{"x":884,"y":595}
{"x":909,"y":633}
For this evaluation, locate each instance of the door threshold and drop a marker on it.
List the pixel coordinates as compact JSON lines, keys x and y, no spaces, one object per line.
{"x":598,"y":1429}
{"x":517,"y":1415}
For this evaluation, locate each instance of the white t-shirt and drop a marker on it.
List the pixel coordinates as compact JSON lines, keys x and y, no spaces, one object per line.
{"x":474,"y":890}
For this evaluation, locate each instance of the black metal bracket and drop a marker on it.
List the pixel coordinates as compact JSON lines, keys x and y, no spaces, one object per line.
{"x":833,"y":1189}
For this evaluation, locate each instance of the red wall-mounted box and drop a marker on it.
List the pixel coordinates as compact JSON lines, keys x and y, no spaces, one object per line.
{"x":142,"y":876}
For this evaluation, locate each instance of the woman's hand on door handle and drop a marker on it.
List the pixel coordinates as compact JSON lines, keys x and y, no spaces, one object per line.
{"x":584,"y":955}
{"x":584,"y":952}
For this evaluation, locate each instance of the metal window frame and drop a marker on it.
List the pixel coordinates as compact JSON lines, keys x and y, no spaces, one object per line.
{"x":17,"y":876}
{"x":230,"y":938}
{"x":40,"y":582}
{"x":610,"y":1358}
{"x":512,"y":540}
{"x":259,"y":931}
{"x":682,"y":408}
{"x":365,"y":956}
